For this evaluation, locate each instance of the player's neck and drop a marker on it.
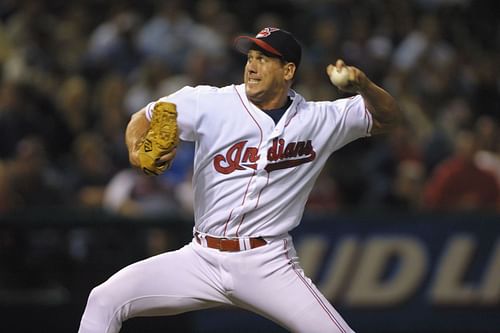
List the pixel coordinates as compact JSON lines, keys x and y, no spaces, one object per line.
{"x":278,"y":102}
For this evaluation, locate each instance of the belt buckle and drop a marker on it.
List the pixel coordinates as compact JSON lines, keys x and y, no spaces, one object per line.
{"x":227,"y":247}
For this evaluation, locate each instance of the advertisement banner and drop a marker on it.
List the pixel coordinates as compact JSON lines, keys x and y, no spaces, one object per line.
{"x":406,"y":273}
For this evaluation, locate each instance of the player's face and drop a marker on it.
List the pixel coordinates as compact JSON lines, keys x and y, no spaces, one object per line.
{"x":267,"y":80}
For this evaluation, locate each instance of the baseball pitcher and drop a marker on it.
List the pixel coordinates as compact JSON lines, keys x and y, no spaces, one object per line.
{"x":259,"y":147}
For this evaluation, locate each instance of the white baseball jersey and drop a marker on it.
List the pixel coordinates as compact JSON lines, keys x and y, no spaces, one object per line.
{"x":252,"y":177}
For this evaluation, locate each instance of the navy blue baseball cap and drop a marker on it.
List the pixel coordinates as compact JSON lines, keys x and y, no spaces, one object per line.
{"x":272,"y":42}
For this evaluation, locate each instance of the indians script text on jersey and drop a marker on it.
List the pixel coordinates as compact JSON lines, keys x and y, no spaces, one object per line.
{"x":256,"y":174}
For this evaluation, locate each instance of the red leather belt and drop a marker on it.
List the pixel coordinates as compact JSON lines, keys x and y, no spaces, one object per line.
{"x":230,"y":244}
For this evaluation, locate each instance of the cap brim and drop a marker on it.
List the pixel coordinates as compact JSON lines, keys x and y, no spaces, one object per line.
{"x":245,"y":43}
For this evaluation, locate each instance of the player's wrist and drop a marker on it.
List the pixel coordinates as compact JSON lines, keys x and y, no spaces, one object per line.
{"x":365,"y":86}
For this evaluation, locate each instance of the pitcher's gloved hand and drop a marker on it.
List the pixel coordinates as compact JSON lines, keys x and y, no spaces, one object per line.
{"x":157,"y":148}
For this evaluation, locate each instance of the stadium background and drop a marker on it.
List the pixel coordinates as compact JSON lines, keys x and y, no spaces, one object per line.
{"x":72,"y":212}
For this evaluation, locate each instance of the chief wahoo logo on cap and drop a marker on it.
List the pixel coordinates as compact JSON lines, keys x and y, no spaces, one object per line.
{"x":266,"y":32}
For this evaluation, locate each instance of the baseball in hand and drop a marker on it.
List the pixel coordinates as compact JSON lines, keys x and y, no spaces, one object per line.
{"x":340,"y":78}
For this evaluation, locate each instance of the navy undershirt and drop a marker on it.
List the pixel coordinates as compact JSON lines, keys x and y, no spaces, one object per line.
{"x":276,"y":114}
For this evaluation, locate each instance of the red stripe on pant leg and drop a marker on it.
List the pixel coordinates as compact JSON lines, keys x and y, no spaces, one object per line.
{"x":312,"y":291}
{"x":318,"y":298}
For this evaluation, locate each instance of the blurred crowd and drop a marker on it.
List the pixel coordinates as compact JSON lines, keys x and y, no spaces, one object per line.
{"x":73,"y":72}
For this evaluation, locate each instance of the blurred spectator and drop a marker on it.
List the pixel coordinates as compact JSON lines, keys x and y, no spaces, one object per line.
{"x":204,"y":35}
{"x":406,"y":190}
{"x":325,"y":40}
{"x":25,"y":111}
{"x":33,"y":183}
{"x":111,"y":44}
{"x":488,"y":155}
{"x":324,"y":197}
{"x":166,"y":35}
{"x":425,"y":41}
{"x":130,"y":193}
{"x":455,"y":115}
{"x":91,"y":170}
{"x":74,"y":104}
{"x":458,"y":184}
{"x":110,"y":118}
{"x":70,"y":37}
{"x":146,"y":86}
{"x":488,"y":134}
{"x":385,"y":165}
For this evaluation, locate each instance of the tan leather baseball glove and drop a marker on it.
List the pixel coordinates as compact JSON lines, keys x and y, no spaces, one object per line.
{"x":160,"y":139}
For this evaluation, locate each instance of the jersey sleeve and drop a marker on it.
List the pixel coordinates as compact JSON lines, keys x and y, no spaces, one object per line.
{"x":186,"y":100}
{"x":351,"y":121}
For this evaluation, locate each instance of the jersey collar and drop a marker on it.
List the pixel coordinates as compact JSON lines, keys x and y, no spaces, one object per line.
{"x":289,"y":113}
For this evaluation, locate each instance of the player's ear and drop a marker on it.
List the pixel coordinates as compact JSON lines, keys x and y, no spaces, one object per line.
{"x":290,"y":69}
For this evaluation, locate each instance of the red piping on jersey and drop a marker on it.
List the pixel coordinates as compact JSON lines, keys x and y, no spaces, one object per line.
{"x":258,"y":199}
{"x":312,"y":291}
{"x":239,"y":225}
{"x":290,"y":119}
{"x":227,"y":221}
{"x":369,"y":120}
{"x":262,"y":189}
{"x":250,"y":181}
{"x":242,"y":203}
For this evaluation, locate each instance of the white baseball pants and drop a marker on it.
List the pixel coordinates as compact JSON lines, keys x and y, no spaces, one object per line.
{"x":266,"y":280}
